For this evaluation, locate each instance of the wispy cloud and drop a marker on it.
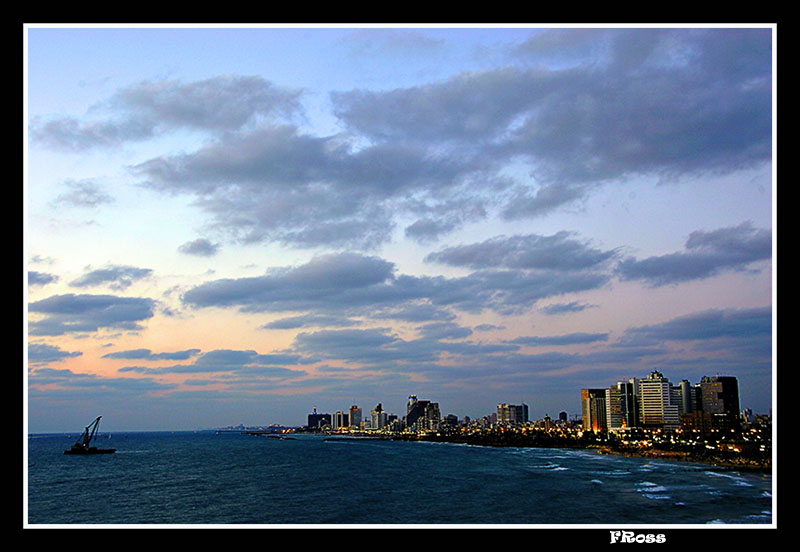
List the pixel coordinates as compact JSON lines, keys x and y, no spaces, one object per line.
{"x":116,"y":277}
{"x":707,"y":254}
{"x":88,"y":313}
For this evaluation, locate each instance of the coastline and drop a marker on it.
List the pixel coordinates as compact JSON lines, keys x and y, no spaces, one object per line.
{"x":717,"y":460}
{"x":754,"y":465}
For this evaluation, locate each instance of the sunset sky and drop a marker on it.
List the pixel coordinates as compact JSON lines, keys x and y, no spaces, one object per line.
{"x":230,"y":225}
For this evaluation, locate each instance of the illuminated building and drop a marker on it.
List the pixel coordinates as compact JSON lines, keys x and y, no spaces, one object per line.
{"x":318,"y":420}
{"x":655,"y":399}
{"x":593,"y":403}
{"x":355,"y":417}
{"x":512,"y":413}
{"x":622,"y":409}
{"x":422,"y":415}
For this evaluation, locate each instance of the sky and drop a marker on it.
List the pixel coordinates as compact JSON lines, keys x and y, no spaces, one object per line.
{"x":235,"y":225}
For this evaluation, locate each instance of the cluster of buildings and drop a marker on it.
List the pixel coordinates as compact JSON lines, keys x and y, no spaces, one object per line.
{"x":656,"y":403}
{"x":651,"y":403}
{"x":421,"y":415}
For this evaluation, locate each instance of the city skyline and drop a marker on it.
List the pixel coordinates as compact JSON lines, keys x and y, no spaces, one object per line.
{"x":523,"y":406}
{"x":229,"y":225}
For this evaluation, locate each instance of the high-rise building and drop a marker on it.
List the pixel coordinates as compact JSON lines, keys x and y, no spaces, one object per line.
{"x":622,"y":411}
{"x":379,"y":417}
{"x":656,"y":401}
{"x":451,"y":420}
{"x":340,"y":420}
{"x":318,"y":420}
{"x":688,"y":397}
{"x":593,"y":403}
{"x":512,"y":413}
{"x":355,"y":417}
{"x":719,"y":394}
{"x":422,"y":415}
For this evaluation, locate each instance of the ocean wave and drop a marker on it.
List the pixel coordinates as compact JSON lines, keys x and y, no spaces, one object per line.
{"x":738,"y":480}
{"x":649,"y":488}
{"x":656,"y":496}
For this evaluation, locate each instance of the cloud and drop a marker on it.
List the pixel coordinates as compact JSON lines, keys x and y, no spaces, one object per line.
{"x":413,"y":311}
{"x":444,"y":330}
{"x":90,"y":383}
{"x":88,"y":313}
{"x":327,"y":279}
{"x":146,"y":354}
{"x":578,"y":338}
{"x":557,"y":252}
{"x":40,"y":278}
{"x":561,"y":308}
{"x":355,"y":284}
{"x":118,"y":277}
{"x":84,"y":193}
{"x":200,"y":247}
{"x":278,"y":184}
{"x":619,"y":103}
{"x":147,"y":109}
{"x":303,"y":321}
{"x":706,"y":325}
{"x":234,"y":361}
{"x":666,"y":102}
{"x":707,"y":254}
{"x":42,"y":353}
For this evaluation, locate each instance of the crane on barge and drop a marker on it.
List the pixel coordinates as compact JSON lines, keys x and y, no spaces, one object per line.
{"x":81,"y":446}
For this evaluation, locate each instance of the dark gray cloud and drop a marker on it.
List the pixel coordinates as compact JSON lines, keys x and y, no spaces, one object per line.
{"x":429,"y":230}
{"x":669,"y":101}
{"x":577,"y":338}
{"x":89,"y":383}
{"x":618,"y":103}
{"x":304,"y":321}
{"x":743,"y":324}
{"x":580,"y":108}
{"x":356,"y":284}
{"x":146,"y":109}
{"x":374,"y":347}
{"x":325,"y":280}
{"x":707,"y":254}
{"x":444,"y":330}
{"x":40,"y":278}
{"x":605,"y":116}
{"x":233,"y":361}
{"x":88,"y":313}
{"x":147,"y":354}
{"x":277,"y":184}
{"x":200,"y":247}
{"x":42,"y":353}
{"x":563,"y":308}
{"x":557,"y":252}
{"x":414,"y":311}
{"x":116,"y":277}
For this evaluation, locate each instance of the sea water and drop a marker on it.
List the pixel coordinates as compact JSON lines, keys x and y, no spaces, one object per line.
{"x":231,"y":478}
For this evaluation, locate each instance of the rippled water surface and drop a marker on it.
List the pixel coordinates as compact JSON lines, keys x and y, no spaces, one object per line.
{"x":208,"y":478}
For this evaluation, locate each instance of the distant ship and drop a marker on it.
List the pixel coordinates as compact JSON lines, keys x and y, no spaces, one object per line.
{"x":81,"y":446}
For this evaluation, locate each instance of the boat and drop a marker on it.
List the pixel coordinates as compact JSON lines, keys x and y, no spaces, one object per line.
{"x":82,"y":445}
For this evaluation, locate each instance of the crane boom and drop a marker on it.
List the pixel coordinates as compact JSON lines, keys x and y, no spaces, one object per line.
{"x":93,"y":435}
{"x":81,"y":446}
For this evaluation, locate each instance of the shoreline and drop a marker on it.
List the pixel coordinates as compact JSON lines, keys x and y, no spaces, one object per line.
{"x":716,"y":461}
{"x":751,"y":465}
